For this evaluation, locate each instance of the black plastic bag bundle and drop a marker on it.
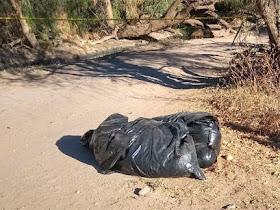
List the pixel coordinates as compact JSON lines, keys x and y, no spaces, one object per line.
{"x":169,"y":146}
{"x":205,"y":131}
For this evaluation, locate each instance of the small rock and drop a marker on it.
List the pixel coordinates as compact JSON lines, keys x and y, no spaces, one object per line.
{"x":78,"y":192}
{"x":275,"y":173}
{"x":265,"y":182}
{"x":229,"y":206}
{"x":248,"y":165}
{"x":144,"y":191}
{"x":229,"y":157}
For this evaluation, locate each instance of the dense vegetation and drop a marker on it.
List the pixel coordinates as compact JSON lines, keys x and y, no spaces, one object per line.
{"x":250,"y":101}
{"x":50,"y":29}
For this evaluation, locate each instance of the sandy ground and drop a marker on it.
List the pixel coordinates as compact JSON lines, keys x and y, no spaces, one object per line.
{"x":44,"y":113}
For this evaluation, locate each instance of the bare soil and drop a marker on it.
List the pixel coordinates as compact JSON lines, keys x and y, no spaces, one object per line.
{"x":66,"y":51}
{"x":43,"y":113}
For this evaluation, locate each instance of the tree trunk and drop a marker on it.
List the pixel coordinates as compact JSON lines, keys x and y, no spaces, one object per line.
{"x":172,"y":10}
{"x":25,"y":28}
{"x":131,"y":8}
{"x":180,"y":16}
{"x":147,"y":27}
{"x":269,"y":10}
{"x":109,"y":13}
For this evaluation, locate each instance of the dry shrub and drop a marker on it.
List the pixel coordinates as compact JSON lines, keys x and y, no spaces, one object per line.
{"x":251,"y":100}
{"x":249,"y":110}
{"x":259,"y":71}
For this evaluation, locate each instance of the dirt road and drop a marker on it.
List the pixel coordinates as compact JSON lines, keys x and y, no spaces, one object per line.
{"x":43,"y":114}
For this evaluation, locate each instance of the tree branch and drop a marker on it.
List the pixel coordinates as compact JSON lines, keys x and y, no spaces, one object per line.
{"x":223,"y":22}
{"x":25,"y":28}
{"x":172,"y":10}
{"x":193,"y":22}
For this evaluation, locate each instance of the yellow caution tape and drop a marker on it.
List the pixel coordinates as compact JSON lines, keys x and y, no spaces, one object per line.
{"x":116,"y":19}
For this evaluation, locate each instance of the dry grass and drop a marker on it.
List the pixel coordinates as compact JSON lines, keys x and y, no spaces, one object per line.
{"x":251,"y":102}
{"x":249,"y":110}
{"x":258,"y":71}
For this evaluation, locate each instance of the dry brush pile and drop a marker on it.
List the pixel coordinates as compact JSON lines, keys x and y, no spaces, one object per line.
{"x":251,"y":99}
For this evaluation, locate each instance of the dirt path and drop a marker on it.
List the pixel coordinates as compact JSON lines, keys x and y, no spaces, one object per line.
{"x":43,"y":114}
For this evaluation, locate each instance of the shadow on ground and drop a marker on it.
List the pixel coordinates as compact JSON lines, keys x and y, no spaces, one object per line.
{"x":272,"y":141}
{"x":166,"y":67}
{"x":118,"y":69}
{"x":71,"y":146}
{"x":189,"y":69}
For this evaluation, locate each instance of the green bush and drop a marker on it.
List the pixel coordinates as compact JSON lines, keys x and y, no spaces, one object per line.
{"x":10,"y":30}
{"x":119,"y":9}
{"x":44,"y":29}
{"x":83,"y":9}
{"x":47,"y":29}
{"x":186,"y":30}
{"x":156,"y":8}
{"x":236,"y":7}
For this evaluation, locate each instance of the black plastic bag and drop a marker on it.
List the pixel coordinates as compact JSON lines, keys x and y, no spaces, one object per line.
{"x":165,"y":146}
{"x":205,"y":131}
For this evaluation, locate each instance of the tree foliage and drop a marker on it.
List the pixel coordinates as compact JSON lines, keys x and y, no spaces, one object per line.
{"x":49,"y":29}
{"x":236,"y":7}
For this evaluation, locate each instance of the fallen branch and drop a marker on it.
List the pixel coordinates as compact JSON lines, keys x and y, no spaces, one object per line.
{"x":214,"y":26}
{"x":24,"y":26}
{"x":12,"y":44}
{"x":177,"y":32}
{"x":105,"y":38}
{"x":223,"y":22}
{"x":15,"y":42}
{"x":210,"y":7}
{"x":174,"y":15}
{"x":194,"y":22}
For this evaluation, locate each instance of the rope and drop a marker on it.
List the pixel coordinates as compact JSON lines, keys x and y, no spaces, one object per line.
{"x":116,"y":19}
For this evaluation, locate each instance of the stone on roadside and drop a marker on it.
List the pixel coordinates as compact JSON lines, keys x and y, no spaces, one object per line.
{"x":229,"y":157}
{"x":144,"y":191}
{"x":229,"y":206}
{"x":275,"y":173}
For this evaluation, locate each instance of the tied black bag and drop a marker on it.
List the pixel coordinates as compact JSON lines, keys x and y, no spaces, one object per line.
{"x":205,"y":131}
{"x":159,"y":147}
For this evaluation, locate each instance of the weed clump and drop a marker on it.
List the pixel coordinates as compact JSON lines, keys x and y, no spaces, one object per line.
{"x":250,"y":100}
